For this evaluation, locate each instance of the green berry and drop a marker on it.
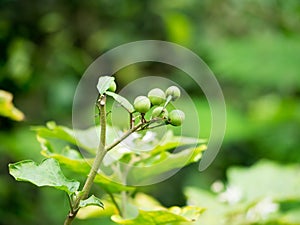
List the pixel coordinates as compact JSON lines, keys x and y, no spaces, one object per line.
{"x":176,"y":117}
{"x":174,"y":92}
{"x":142,"y":104}
{"x":160,"y":112}
{"x":112,"y":87}
{"x":156,"y":96}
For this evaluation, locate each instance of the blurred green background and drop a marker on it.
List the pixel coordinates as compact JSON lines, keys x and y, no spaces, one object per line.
{"x":252,"y":47}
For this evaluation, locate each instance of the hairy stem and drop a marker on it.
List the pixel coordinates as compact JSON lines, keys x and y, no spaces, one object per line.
{"x":97,"y":162}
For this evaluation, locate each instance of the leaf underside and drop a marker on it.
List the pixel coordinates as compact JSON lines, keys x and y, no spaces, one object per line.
{"x":103,"y":83}
{"x":122,"y":101}
{"x":92,"y":200}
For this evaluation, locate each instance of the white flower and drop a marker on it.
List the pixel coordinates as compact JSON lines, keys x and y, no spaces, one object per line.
{"x":149,"y":136}
{"x":262,"y":210}
{"x":135,"y":135}
{"x":232,"y":195}
{"x":217,"y":186}
{"x":123,"y":150}
{"x":129,"y":142}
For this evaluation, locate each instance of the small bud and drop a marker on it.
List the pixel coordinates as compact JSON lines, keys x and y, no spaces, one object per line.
{"x":156,"y":96}
{"x":142,"y":104}
{"x":174,"y":92}
{"x":112,"y":87}
{"x":160,"y":112}
{"x":176,"y":117}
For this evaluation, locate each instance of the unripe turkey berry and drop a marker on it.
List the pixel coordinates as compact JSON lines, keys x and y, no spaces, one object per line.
{"x":112,"y":87}
{"x":156,"y":96}
{"x":176,"y":117}
{"x":142,"y":104}
{"x":160,"y":112}
{"x":174,"y":92}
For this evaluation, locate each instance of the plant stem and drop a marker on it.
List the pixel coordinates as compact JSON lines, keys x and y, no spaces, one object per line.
{"x":115,"y":203}
{"x":101,"y":152}
{"x":97,"y":162}
{"x":124,"y":174}
{"x":123,"y":204}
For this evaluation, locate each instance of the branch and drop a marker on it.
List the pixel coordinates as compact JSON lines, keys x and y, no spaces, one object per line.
{"x":125,"y":135}
{"x":97,"y":162}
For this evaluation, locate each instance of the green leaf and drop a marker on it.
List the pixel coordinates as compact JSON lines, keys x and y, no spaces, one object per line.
{"x":266,"y":178}
{"x":146,"y":202}
{"x":290,"y":217}
{"x":122,"y":101}
{"x":235,"y":58}
{"x":171,"y":142}
{"x":173,"y":215}
{"x":7,"y":108}
{"x":51,"y":130}
{"x":69,"y":157}
{"x":72,"y":160}
{"x":86,"y":139}
{"x":103,"y":84}
{"x":156,"y":165}
{"x":215,"y":211}
{"x":263,"y":186}
{"x":48,"y":173}
{"x":178,"y":27}
{"x":92,"y":211}
{"x":109,"y":185}
{"x":173,"y":152}
{"x":91,"y":201}
{"x":148,"y":207}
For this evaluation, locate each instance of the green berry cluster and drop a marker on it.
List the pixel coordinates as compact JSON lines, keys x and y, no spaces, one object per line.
{"x":158,"y":100}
